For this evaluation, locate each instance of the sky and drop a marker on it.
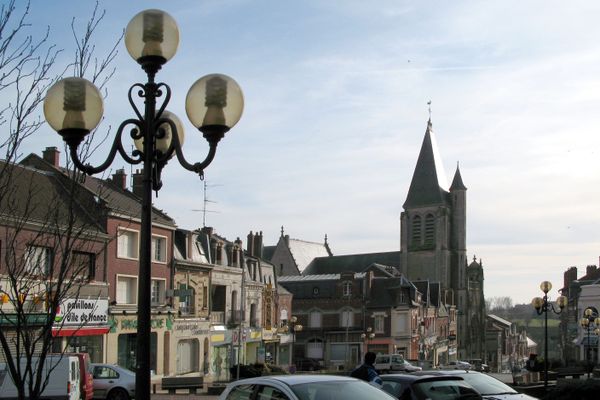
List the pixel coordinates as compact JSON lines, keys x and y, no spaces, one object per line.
{"x":336,"y":106}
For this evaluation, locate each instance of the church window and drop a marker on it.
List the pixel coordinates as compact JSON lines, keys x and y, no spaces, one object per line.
{"x":429,"y":229}
{"x":416,"y":230}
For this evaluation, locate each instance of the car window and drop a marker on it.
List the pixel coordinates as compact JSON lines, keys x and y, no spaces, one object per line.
{"x":443,"y":390}
{"x":392,"y":387}
{"x":485,"y":384}
{"x":270,"y":393}
{"x":241,"y":392}
{"x":397,"y":359}
{"x":105,"y":373}
{"x":382,"y":359}
{"x":338,"y":390}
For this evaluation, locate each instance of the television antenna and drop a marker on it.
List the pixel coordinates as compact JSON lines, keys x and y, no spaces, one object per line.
{"x":204,"y":210}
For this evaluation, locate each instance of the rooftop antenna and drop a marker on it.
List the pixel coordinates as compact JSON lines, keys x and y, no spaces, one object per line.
{"x":205,"y":202}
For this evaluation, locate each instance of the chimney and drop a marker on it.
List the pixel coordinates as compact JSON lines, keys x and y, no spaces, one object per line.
{"x":52,"y":156}
{"x":138,"y":183}
{"x":287,"y":240}
{"x":120,"y":178}
{"x":590,"y":271}
{"x":258,"y":244}
{"x":250,"y":248}
{"x":569,"y":276}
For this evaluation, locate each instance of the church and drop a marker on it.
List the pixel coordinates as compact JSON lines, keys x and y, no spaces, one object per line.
{"x":433,"y":237}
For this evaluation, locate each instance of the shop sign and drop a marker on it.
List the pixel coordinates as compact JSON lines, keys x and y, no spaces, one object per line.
{"x":190,"y":328}
{"x":83,"y":311}
{"x":131,"y":324}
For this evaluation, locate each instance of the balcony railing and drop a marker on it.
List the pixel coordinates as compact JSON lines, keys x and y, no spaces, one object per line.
{"x":217,"y":317}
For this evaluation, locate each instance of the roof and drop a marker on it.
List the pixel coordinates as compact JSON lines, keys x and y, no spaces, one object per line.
{"x":384,"y":291}
{"x":457,"y":182}
{"x":499,"y":320}
{"x":428,"y":186}
{"x":351,"y":263}
{"x":43,"y":196}
{"x":304,"y":252}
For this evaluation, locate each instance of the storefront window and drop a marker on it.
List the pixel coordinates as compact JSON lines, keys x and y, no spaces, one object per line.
{"x":127,"y":347}
{"x":86,"y":344}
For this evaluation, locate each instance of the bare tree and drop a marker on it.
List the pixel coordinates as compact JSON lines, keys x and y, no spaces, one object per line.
{"x":49,"y":239}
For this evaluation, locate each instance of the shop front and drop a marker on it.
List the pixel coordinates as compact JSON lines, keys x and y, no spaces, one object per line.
{"x":270,"y":345}
{"x":253,"y":344}
{"x":80,"y":327}
{"x":122,"y":342}
{"x":190,"y":343}
{"x":221,"y":355}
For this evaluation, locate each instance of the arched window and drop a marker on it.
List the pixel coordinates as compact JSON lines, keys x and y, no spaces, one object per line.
{"x":416,"y":230}
{"x":429,"y":229}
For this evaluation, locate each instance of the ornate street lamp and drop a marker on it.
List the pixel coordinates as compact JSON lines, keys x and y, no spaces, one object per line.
{"x":294,"y":327}
{"x":368,"y":336}
{"x":542,"y":306}
{"x":73,"y":107}
{"x":590,"y":321}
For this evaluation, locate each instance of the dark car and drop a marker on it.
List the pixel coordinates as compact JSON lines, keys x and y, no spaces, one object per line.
{"x":414,"y":387}
{"x":307,"y":364}
{"x":489,"y":387}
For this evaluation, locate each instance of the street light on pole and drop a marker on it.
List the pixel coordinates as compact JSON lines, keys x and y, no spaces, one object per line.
{"x":368,"y":336}
{"x":294,"y":327}
{"x":542,"y":306}
{"x":590,"y":321}
{"x":73,"y":107}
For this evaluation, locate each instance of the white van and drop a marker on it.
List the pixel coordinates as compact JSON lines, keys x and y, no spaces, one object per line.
{"x":386,"y":363}
{"x":63,"y":381}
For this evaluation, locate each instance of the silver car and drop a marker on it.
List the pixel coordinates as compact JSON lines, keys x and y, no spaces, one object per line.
{"x":489,"y":387}
{"x":112,"y":382}
{"x":302,"y":387}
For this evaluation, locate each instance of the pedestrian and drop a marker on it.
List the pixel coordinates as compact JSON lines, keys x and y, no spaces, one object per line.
{"x":366,"y":371}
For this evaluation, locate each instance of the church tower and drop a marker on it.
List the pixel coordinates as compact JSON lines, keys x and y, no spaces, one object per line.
{"x":434,"y":233}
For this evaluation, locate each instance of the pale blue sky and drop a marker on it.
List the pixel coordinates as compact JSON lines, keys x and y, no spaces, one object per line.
{"x":336,"y":107}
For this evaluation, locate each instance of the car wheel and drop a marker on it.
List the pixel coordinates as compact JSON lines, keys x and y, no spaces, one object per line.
{"x":117,"y":394}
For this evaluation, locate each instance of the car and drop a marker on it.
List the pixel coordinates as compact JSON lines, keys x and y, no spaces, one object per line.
{"x":478,"y":365}
{"x":303,"y":387}
{"x":85,"y":375}
{"x":457,"y":365}
{"x":307,"y":364}
{"x":489,"y":387}
{"x":112,"y":382}
{"x":386,"y":363}
{"x":413,"y":387}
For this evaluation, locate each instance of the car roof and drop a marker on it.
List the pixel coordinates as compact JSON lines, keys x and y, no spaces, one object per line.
{"x":295,"y":379}
{"x":419,"y":377}
{"x":446,"y":372}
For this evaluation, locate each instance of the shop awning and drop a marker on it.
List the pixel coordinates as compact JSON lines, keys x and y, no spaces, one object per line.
{"x":85,"y":331}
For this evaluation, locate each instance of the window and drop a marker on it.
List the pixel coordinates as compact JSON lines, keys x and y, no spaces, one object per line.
{"x":416,"y":230}
{"x":186,"y":299}
{"x":241,"y":392}
{"x":347,"y":289}
{"x":158,"y":292}
{"x":127,"y":244}
{"x":270,"y":393}
{"x":378,"y":323}
{"x":159,"y":249}
{"x":38,"y":260}
{"x":429,"y":229}
{"x":126,"y":289}
{"x":105,"y":373}
{"x":347,"y":318}
{"x":83,"y":264}
{"x":316,"y":319}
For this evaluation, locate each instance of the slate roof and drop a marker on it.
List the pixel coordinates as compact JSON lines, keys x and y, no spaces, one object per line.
{"x":499,"y":320}
{"x":311,"y":287}
{"x":428,"y":186}
{"x":196,"y":252}
{"x":457,"y":182}
{"x":383,"y":291}
{"x":351,"y":262}
{"x":43,"y":196}
{"x":304,"y":252}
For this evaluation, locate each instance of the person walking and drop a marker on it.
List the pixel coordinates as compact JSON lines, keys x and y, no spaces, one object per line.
{"x":366,"y":371}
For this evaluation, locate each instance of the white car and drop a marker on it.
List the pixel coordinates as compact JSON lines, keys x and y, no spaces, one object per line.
{"x":386,"y":363}
{"x":303,"y":387}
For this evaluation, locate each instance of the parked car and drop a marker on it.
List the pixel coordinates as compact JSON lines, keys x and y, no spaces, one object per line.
{"x":386,"y":363}
{"x":307,"y":364}
{"x":302,"y":387}
{"x":85,"y":373}
{"x":478,"y":365}
{"x":489,"y":387}
{"x":413,"y":387}
{"x":112,"y":382}
{"x":457,"y":365}
{"x":63,"y":379}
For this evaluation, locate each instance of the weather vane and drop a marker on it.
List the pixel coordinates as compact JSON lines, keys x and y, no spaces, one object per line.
{"x":429,"y":104}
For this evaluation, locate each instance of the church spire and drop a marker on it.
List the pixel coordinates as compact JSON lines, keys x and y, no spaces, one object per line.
{"x":428,"y":185}
{"x":457,"y":182}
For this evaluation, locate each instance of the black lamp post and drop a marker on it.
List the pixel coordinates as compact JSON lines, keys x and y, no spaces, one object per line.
{"x":590,"y":321}
{"x":73,"y":107}
{"x":542,"y":306}
{"x":294,"y":327}
{"x":368,"y":336}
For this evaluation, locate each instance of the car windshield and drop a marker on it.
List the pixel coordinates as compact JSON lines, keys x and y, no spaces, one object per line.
{"x":487,"y":385}
{"x":338,"y":390}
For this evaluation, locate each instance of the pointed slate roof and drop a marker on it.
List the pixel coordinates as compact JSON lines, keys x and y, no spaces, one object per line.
{"x":429,"y":184}
{"x":351,"y":262}
{"x":304,"y":252}
{"x":457,"y":182}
